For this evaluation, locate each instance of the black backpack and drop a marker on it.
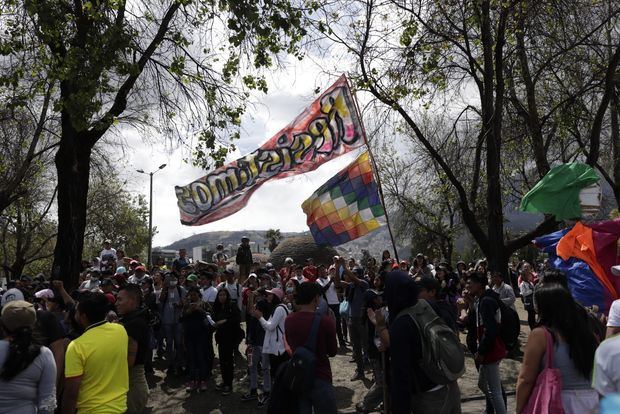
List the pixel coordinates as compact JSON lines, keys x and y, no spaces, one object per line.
{"x":443,"y":359}
{"x":295,"y":376}
{"x":510,"y":327}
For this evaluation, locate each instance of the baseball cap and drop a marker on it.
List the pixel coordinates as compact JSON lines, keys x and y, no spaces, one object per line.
{"x":120,"y":270}
{"x":134,"y":263}
{"x":277,"y":292}
{"x":44,"y":293}
{"x":107,"y":241}
{"x":140,"y":269}
{"x":192,"y":278}
{"x":11,"y":295}
{"x":18,"y":314}
{"x":110,"y":297}
{"x":252,"y":275}
{"x":288,"y":260}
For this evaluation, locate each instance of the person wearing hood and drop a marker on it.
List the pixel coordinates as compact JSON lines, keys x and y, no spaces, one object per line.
{"x":484,"y":341}
{"x":411,"y":389}
{"x":133,"y":316}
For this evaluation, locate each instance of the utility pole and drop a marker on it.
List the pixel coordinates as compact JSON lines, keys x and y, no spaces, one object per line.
{"x":150,"y":174}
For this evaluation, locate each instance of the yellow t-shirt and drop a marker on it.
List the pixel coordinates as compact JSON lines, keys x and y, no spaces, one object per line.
{"x":99,"y":356}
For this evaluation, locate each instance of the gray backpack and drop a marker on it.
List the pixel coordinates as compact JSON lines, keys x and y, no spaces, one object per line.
{"x":443,"y":359}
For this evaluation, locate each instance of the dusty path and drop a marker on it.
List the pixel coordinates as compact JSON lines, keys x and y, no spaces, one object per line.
{"x":168,"y":393}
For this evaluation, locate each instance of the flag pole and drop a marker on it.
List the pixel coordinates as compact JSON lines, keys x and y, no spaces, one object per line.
{"x":374,"y":166}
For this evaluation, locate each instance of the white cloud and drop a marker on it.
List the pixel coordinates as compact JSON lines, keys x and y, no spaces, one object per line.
{"x":277,"y":204}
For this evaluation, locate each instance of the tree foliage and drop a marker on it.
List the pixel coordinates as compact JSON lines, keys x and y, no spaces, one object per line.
{"x":170,"y":66}
{"x":504,"y":79}
{"x":273,"y":237}
{"x":117,"y":215}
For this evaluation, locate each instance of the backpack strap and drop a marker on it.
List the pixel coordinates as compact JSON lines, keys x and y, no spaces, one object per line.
{"x":278,"y":329}
{"x":311,"y":341}
{"x":550,"y":349}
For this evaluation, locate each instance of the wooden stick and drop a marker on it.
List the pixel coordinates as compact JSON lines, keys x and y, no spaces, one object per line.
{"x":374,"y":166}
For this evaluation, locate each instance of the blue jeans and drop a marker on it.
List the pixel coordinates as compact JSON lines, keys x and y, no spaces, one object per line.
{"x":357,"y":332}
{"x":490,"y":383}
{"x":258,"y":356}
{"x":321,"y":398}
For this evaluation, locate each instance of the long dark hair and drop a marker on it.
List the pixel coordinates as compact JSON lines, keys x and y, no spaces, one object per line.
{"x":218,"y":306}
{"x":23,"y":349}
{"x":558,"y":310}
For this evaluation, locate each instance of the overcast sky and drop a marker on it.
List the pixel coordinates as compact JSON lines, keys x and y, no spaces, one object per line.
{"x":277,"y":204}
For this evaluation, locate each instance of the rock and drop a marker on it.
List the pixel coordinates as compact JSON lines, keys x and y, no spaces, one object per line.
{"x":299,"y":249}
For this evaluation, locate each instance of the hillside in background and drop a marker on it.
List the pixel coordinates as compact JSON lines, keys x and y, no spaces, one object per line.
{"x":374,"y":242}
{"x":516,"y":222}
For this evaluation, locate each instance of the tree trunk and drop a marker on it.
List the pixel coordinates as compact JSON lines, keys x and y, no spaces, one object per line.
{"x":73,"y":169}
{"x":17,"y":268}
{"x":492,"y":112}
{"x":615,"y":143}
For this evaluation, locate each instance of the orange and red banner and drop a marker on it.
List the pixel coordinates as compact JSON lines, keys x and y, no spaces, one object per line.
{"x":328,"y":128}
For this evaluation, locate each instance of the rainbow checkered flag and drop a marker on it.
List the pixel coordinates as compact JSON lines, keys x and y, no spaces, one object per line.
{"x":347,"y":206}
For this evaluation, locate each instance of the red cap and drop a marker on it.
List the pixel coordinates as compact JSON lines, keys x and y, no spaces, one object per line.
{"x":110,"y":297}
{"x":140,"y":268}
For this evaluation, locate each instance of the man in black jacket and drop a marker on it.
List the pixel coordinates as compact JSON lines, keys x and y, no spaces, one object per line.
{"x":484,"y":340}
{"x":244,"y":259}
{"x":411,"y":390}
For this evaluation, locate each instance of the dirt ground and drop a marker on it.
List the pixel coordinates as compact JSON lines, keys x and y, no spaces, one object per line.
{"x":168,"y":393}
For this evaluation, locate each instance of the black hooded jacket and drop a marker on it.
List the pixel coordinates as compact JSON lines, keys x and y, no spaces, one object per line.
{"x":487,"y":306}
{"x":407,"y":378}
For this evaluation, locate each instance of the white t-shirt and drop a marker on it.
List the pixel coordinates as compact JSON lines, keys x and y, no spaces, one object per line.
{"x":526,"y":288}
{"x":506,"y":295}
{"x":209,"y":294}
{"x":614,"y":314}
{"x":219,"y":257}
{"x":108,"y":255}
{"x":330,"y":294}
{"x":606,"y":375}
{"x":134,"y":280}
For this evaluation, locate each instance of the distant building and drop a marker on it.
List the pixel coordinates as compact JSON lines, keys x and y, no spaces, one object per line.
{"x":168,"y":255}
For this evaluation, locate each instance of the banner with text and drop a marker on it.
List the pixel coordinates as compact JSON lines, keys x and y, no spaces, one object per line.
{"x":327,"y":129}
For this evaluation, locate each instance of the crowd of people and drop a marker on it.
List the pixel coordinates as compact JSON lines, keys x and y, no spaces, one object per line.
{"x":91,"y":349}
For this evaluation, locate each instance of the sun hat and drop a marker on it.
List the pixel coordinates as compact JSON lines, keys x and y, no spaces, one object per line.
{"x":18,"y":314}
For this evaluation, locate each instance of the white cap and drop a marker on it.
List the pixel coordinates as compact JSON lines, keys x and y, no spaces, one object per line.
{"x":44,"y":293}
{"x":11,"y":295}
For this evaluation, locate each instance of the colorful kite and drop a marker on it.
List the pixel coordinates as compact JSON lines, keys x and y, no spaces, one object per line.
{"x":327,"y":129}
{"x":347,"y":206}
